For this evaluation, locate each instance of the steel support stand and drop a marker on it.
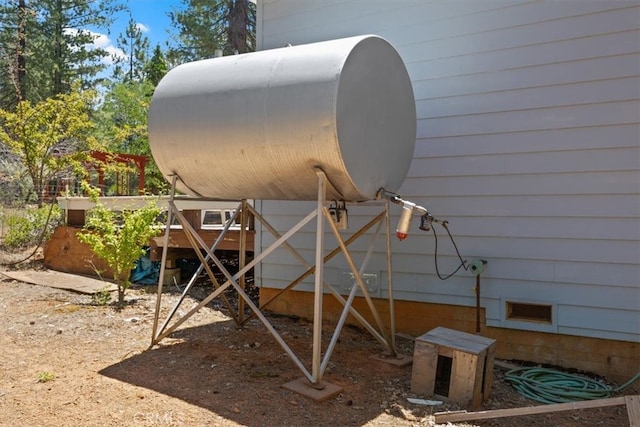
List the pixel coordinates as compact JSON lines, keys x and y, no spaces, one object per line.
{"x":312,"y":379}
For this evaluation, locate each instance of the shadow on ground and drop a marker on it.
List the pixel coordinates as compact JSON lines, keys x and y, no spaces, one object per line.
{"x":238,"y":374}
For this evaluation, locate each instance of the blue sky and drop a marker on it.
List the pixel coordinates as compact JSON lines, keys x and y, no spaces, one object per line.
{"x":150,"y":15}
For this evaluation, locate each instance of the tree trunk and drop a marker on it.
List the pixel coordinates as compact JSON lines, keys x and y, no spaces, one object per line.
{"x":238,"y":23}
{"x":58,"y":46}
{"x":22,"y":47}
{"x":121,"y":290}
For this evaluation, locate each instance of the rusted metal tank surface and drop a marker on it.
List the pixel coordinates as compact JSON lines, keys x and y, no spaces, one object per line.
{"x":255,"y":126}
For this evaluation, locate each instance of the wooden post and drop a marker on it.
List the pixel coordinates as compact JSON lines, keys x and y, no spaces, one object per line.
{"x":193,"y":217}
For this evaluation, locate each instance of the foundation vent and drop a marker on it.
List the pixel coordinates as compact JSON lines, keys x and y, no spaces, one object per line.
{"x":529,"y":315}
{"x":528,"y":312}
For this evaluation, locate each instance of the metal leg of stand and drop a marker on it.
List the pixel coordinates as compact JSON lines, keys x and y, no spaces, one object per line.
{"x":195,"y":275}
{"x":319,"y":280}
{"x":242,"y":257}
{"x":163,"y":261}
{"x":392,"y":311}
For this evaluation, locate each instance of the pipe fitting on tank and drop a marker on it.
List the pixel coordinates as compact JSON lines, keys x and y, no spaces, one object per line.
{"x":425,"y":222}
{"x":405,"y":221}
{"x":477,"y":266}
{"x":408,"y":208}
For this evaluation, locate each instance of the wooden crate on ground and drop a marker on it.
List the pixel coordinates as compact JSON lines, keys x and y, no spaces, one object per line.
{"x":171,"y":275}
{"x":453,"y":366}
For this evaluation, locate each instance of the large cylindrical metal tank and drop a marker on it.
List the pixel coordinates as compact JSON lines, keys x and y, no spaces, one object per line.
{"x":254,"y":126}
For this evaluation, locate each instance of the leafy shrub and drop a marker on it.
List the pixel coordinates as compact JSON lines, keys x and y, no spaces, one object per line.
{"x":102,"y":297}
{"x":119,"y":240}
{"x":30,"y":226}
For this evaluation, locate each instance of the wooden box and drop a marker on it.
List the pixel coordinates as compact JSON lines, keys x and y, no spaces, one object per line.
{"x":453,"y":366}
{"x":169,"y":275}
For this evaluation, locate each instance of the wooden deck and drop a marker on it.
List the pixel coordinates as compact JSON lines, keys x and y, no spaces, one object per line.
{"x":65,"y":253}
{"x":178,"y":240}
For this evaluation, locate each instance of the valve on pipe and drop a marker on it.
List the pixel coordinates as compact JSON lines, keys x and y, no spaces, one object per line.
{"x":408,"y":209}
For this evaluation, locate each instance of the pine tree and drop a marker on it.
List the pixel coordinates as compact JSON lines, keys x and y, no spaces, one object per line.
{"x":240,"y":29}
{"x":45,"y":47}
{"x":17,"y":23}
{"x":66,"y":56}
{"x":156,"y":67}
{"x":204,"y":26}
{"x":135,"y":45}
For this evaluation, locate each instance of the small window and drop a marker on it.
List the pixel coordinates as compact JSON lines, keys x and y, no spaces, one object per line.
{"x":212,"y":218}
{"x":528,"y":312}
{"x":227,"y":217}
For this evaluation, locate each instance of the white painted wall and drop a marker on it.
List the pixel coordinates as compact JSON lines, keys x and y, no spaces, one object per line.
{"x":527,"y":143}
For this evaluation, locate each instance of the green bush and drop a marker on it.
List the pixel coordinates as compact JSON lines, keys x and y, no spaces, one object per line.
{"x":102,"y":297}
{"x":26,"y":227}
{"x":119,"y":240}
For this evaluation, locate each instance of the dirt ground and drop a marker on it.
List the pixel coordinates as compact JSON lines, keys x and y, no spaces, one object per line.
{"x":67,"y":361}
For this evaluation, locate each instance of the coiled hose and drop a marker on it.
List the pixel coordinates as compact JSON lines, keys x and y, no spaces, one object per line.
{"x":550,"y":386}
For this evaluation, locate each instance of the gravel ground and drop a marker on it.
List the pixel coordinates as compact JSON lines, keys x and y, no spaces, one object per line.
{"x":66,"y":361}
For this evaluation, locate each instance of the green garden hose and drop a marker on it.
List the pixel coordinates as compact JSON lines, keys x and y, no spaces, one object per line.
{"x":550,"y":386}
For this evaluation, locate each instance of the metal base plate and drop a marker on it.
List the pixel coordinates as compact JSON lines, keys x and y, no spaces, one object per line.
{"x":400,"y":360}
{"x":317,"y":392}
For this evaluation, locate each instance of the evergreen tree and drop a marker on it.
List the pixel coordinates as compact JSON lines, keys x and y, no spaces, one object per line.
{"x":45,"y":47}
{"x":135,"y":45}
{"x":66,"y":56}
{"x":17,"y":22}
{"x":156,"y":67}
{"x":241,"y":26}
{"x":204,"y":26}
